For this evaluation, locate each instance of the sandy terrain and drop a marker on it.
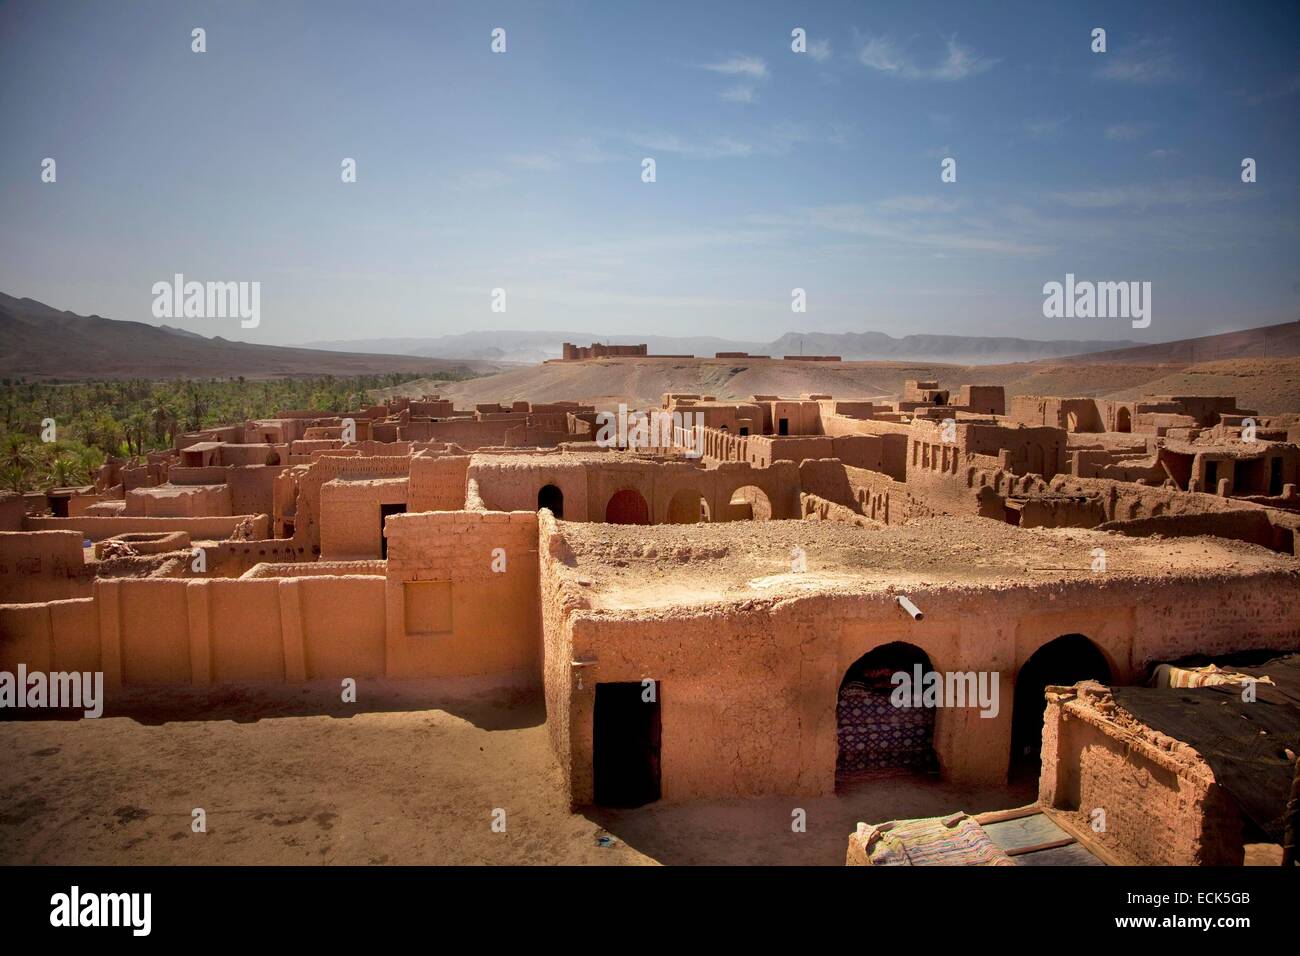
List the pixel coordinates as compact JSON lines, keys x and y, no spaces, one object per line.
{"x":413,"y":778}
{"x":1268,"y":386}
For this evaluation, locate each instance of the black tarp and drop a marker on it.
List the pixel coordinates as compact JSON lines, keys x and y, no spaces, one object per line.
{"x":1245,"y":743}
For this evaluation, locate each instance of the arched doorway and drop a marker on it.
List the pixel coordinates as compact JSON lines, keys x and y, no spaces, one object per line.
{"x":750,"y":502}
{"x":1123,"y":420}
{"x":687,"y":507}
{"x":873,"y":733}
{"x":1063,"y":661}
{"x":627,"y":507}
{"x":553,"y":498}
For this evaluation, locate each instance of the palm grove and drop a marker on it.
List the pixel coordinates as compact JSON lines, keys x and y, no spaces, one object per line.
{"x":57,"y":435}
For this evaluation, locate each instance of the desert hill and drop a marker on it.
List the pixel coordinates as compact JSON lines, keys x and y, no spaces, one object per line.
{"x":1268,"y":341}
{"x":1269,"y":386}
{"x":40,"y":343}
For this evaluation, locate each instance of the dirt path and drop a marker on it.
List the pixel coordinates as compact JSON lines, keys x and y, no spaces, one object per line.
{"x":414,"y":779}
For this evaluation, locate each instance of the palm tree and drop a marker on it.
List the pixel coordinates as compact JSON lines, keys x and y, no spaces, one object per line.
{"x":17,"y":451}
{"x":164,"y":423}
{"x":13,"y":478}
{"x":89,"y":461}
{"x":62,"y":473}
{"x":136,"y":428}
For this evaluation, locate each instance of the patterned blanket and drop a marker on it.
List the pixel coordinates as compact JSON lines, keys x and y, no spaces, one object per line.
{"x":874,"y":734}
{"x":955,"y":840}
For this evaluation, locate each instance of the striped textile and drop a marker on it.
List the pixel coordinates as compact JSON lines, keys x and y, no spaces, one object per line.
{"x":955,"y":840}
{"x":1166,"y":675}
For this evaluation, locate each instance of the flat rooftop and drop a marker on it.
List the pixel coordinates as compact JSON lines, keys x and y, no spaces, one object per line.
{"x":622,"y":566}
{"x":169,"y":490}
{"x":541,"y":457}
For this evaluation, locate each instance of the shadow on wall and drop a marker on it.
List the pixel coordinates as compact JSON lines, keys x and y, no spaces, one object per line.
{"x":553,"y":498}
{"x":627,"y":507}
{"x":750,"y":503}
{"x":487,"y":703}
{"x":1063,"y":661}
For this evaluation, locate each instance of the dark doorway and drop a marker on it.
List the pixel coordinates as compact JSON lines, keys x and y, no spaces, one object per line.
{"x":873,"y":733}
{"x":553,"y":498}
{"x":625,"y":744}
{"x":749,"y":502}
{"x":1212,"y":477}
{"x":783,"y":426}
{"x":627,"y":507}
{"x":1064,"y":661}
{"x":384,"y":512}
{"x":1275,"y":476}
{"x":687,"y":507}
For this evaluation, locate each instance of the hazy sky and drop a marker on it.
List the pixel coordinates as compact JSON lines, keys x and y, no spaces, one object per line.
{"x":775,"y":170}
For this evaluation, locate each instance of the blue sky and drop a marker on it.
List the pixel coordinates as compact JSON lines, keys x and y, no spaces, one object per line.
{"x":775,"y":170}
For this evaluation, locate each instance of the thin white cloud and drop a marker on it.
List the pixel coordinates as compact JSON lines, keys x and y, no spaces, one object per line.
{"x":916,"y":204}
{"x":884,"y":55}
{"x":1181,"y":193}
{"x":537,"y":162}
{"x":739,"y":94}
{"x":1147,"y":62}
{"x":580,"y":151}
{"x":1048,"y":128}
{"x":718,"y":147}
{"x":894,"y":223}
{"x":775,"y":140}
{"x":1287,"y":86}
{"x":1126,"y":131}
{"x":752,"y":66}
{"x":478,"y":180}
{"x":820,"y":50}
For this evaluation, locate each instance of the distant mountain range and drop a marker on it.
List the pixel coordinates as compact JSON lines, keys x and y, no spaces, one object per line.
{"x":529,"y":348}
{"x":40,"y":343}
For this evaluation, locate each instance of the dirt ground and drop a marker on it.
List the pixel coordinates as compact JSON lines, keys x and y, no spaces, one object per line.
{"x":1269,"y":386}
{"x":410,"y":775}
{"x":669,"y":567}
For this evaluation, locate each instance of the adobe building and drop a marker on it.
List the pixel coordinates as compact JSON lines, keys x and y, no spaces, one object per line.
{"x":789,"y":554}
{"x":573,"y":353}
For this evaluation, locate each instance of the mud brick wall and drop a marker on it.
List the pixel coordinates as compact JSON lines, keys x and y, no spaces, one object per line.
{"x":1161,"y":805}
{"x":438,"y":483}
{"x":457,"y":606}
{"x":42,"y":566}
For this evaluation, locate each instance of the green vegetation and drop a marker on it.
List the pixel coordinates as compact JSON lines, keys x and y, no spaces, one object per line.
{"x":93,"y":420}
